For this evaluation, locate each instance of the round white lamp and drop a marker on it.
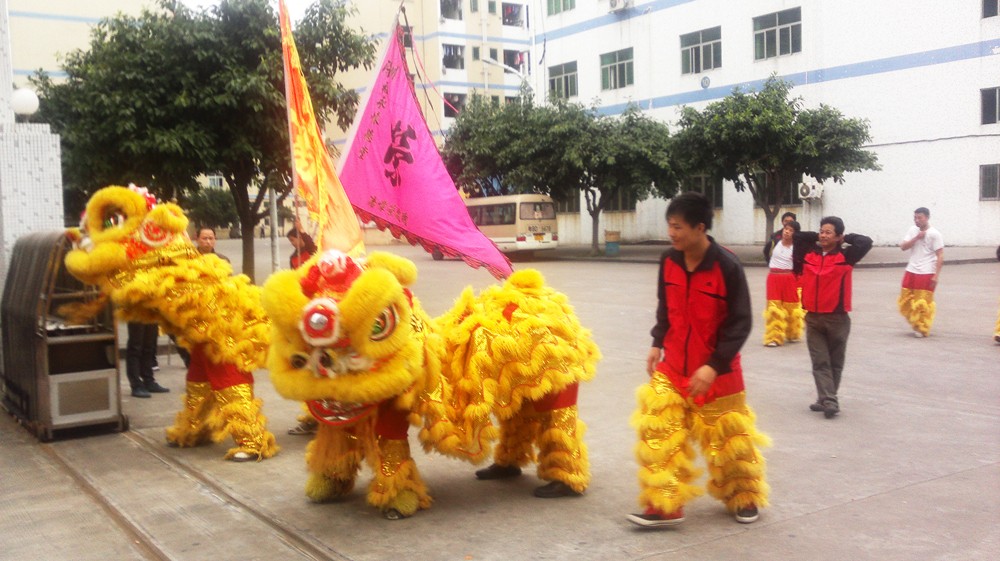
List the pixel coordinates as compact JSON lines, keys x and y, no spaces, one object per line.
{"x":24,"y":101}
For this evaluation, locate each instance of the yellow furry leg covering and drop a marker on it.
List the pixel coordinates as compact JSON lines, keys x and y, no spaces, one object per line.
{"x":796,"y":320}
{"x":725,"y":428}
{"x":517,"y":438}
{"x":397,"y":484}
{"x":239,"y":416}
{"x":191,"y":426}
{"x":664,"y":451}
{"x":562,"y":454}
{"x":333,"y":459}
{"x":775,"y":322}
{"x":922,"y":309}
{"x":996,"y":330}
{"x":905,"y":302}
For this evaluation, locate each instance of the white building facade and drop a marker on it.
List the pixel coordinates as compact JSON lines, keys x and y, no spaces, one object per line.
{"x":926,"y":76}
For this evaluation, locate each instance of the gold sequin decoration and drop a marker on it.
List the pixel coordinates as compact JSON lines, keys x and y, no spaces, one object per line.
{"x":393,"y":453}
{"x":710,"y":412}
{"x":235,"y":394}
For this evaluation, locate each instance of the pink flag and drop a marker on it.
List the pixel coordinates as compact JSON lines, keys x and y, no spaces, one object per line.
{"x":395,"y":177}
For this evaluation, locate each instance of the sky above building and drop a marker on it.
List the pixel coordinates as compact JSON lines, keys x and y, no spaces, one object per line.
{"x":296,"y":8}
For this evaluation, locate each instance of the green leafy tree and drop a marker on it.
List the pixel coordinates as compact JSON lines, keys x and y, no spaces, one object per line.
{"x":174,"y":93}
{"x":560,"y":150}
{"x":211,"y":207}
{"x":763,"y":140}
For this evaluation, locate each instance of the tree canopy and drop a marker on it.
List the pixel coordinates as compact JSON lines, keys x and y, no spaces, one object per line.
{"x":762,"y":141}
{"x":559,"y":150}
{"x":172,"y":94}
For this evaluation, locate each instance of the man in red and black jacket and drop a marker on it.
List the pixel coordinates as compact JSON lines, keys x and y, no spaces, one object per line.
{"x":695,"y":391}
{"x":826,"y":267}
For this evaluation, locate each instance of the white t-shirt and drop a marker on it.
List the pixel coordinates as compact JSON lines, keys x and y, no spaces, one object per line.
{"x":923,"y":254}
{"x":781,"y":257}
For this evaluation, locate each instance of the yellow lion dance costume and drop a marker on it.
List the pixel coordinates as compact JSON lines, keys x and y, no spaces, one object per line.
{"x":137,"y":252}
{"x":351,"y":340}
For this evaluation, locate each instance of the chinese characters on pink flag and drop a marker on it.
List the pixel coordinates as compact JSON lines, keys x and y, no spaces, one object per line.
{"x":314,"y":174}
{"x":394,"y":175}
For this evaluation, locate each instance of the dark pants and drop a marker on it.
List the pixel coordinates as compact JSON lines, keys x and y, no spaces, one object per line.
{"x":139,"y":353}
{"x":826,"y":336}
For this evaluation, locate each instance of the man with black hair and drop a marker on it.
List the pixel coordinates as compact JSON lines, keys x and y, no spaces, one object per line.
{"x":916,"y":298}
{"x":775,"y":238}
{"x":695,"y":390}
{"x":826,"y":268}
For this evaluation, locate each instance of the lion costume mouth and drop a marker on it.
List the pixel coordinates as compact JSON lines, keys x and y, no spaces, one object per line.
{"x":339,"y":413}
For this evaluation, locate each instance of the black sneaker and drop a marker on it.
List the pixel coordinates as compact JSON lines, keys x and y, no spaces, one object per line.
{"x":156,"y":388}
{"x":497,"y":471}
{"x":747,"y":514}
{"x":141,"y":392}
{"x":555,"y":490}
{"x":818,"y":407}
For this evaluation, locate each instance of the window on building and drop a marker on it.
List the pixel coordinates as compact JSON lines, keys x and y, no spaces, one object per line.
{"x":408,"y":37}
{"x":989,"y":182}
{"x":620,"y":200}
{"x":571,"y":205}
{"x":991,"y":105}
{"x":473,"y":6}
{"x":989,"y":8}
{"x":510,"y":99}
{"x":451,"y":9}
{"x":475,"y":53}
{"x":216,"y":181}
{"x":512,"y":14}
{"x":616,"y":69}
{"x":701,"y":50}
{"x":493,"y":54}
{"x":454,"y":56}
{"x":491,"y":7}
{"x":562,"y":80}
{"x":558,"y":6}
{"x":454,"y":104}
{"x":518,"y":60}
{"x":778,"y":33}
{"x":790,"y":194}
{"x":711,"y":188}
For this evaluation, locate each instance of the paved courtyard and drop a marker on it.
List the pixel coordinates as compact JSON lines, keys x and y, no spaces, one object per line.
{"x":909,"y":470}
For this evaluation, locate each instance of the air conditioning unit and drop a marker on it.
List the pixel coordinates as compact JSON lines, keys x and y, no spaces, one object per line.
{"x":619,"y":5}
{"x":810,"y":191}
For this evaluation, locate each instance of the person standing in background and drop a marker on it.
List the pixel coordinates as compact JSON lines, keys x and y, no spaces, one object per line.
{"x":926,"y":246}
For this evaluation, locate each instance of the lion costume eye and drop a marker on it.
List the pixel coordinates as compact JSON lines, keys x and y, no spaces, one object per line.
{"x":113,"y":218}
{"x":384,"y":325}
{"x":299,"y":360}
{"x":326,"y":359}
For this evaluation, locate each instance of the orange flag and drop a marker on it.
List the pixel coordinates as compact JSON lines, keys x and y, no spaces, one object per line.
{"x":313,"y":170}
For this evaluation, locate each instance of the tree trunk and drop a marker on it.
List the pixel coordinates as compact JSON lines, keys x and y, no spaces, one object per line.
{"x":594,"y":210}
{"x":248,"y":223}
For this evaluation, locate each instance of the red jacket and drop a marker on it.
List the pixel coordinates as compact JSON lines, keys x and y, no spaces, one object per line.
{"x":826,"y":279}
{"x":703,"y":317}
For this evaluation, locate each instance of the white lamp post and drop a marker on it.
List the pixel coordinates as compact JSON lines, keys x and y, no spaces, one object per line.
{"x":24,"y":102}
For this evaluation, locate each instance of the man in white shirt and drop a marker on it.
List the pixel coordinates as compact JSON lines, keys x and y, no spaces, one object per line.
{"x":926,"y":247}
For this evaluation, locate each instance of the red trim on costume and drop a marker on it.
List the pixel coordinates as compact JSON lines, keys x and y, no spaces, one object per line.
{"x":508,"y":312}
{"x":783,"y":287}
{"x":391,"y":422}
{"x":219,"y":376}
{"x":915,"y":281}
{"x":558,"y":400}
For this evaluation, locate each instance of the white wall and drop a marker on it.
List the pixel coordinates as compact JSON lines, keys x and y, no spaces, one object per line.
{"x":914,"y":70}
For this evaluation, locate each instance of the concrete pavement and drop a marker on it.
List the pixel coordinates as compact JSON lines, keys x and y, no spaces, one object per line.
{"x":910,"y":470}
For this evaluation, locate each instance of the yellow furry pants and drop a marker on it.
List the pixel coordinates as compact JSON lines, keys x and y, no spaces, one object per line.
{"x":668,"y":423}
{"x":783,"y":321}
{"x":918,"y":307}
{"x":558,"y":434}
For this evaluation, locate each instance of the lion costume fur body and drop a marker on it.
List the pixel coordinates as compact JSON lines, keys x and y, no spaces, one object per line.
{"x":138,"y":253}
{"x":351,"y":340}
